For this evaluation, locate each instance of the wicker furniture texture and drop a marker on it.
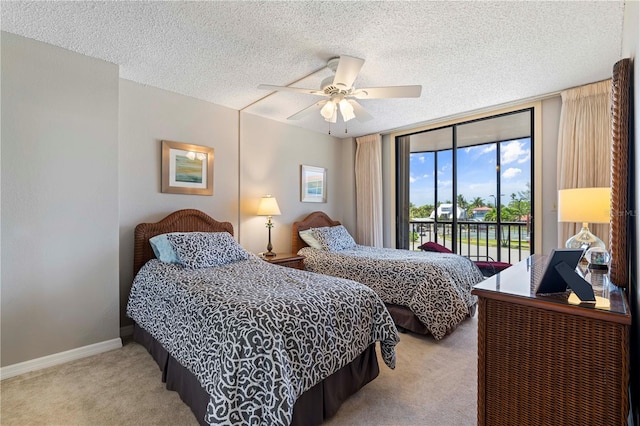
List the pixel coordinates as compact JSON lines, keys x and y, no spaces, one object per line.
{"x":545,"y":361}
{"x":187,"y":220}
{"x":620,"y":166}
{"x":313,"y":220}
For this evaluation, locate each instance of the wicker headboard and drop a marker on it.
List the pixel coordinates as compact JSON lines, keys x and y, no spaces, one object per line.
{"x":188,"y":220}
{"x":313,"y":220}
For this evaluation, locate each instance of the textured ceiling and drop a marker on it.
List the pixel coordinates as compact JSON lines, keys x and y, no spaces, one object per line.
{"x":466,"y":55}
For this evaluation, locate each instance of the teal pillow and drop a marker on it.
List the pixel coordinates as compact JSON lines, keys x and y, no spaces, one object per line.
{"x":163,"y":249}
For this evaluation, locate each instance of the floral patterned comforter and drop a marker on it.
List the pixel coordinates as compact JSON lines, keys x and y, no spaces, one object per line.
{"x":258,"y":335}
{"x":436,"y":287}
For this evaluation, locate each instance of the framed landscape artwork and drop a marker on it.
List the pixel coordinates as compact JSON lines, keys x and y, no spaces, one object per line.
{"x":187,"y":168}
{"x":313,"y":184}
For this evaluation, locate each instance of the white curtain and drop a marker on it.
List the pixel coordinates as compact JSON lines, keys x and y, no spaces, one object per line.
{"x":584,"y":147}
{"x":368,"y":170}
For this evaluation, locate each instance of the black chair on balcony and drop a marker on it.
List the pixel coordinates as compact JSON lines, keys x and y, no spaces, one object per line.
{"x":488,"y":268}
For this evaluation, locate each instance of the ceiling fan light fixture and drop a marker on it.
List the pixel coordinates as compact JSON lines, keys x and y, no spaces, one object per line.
{"x":334,"y":117}
{"x":339,"y":86}
{"x":346,"y":109}
{"x":328,"y":110}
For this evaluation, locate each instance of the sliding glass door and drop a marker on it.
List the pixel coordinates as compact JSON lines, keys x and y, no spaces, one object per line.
{"x":468,"y":187}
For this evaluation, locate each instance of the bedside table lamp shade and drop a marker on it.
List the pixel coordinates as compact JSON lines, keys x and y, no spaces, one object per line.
{"x":268,"y":206}
{"x":586,"y":205}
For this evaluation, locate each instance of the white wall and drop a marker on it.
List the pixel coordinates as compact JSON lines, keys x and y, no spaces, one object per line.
{"x":271,"y":154}
{"x":550,"y":126}
{"x":148,"y":116}
{"x":59,"y":200}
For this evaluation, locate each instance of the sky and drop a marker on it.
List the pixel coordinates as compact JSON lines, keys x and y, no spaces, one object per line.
{"x":476,"y":173}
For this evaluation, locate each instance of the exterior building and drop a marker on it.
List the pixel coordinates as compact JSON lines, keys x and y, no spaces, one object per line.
{"x":445,"y":211}
{"x":479,"y":213}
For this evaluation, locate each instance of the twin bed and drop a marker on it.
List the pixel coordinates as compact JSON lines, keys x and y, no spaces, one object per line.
{"x":244,"y":341}
{"x":426,"y":293}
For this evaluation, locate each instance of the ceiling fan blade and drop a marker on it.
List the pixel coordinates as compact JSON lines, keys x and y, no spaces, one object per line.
{"x":388,"y":92}
{"x":347,"y":71}
{"x":291,"y":89}
{"x":361,"y":114}
{"x":308,"y":110}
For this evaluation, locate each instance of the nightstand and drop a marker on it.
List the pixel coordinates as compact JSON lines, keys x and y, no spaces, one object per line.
{"x":289,"y":260}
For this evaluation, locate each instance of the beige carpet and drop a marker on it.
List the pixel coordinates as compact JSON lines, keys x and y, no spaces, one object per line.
{"x":434,"y":383}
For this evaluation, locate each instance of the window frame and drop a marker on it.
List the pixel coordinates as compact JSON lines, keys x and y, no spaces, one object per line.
{"x":536,"y":163}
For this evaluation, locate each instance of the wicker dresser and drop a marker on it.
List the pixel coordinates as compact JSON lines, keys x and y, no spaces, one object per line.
{"x":547,"y":360}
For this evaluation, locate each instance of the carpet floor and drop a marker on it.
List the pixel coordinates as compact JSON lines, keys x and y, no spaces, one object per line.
{"x":434,"y":383}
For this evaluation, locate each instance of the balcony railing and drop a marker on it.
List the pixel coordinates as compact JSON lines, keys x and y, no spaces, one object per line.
{"x":506,"y":242}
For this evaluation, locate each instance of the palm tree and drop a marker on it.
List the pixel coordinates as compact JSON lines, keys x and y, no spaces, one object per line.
{"x":462,"y":203}
{"x":477,"y":202}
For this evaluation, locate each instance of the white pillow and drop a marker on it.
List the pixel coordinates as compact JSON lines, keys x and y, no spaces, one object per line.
{"x":334,"y":238}
{"x":307,"y":237}
{"x":206,"y":249}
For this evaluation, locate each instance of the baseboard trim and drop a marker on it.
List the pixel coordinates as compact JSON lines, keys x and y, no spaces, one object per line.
{"x":59,"y":358}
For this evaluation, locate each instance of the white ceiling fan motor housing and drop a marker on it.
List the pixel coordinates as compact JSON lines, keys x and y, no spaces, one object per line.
{"x":332,"y":64}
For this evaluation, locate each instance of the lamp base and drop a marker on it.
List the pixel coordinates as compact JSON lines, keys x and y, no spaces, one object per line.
{"x":269,"y":253}
{"x":584,"y":240}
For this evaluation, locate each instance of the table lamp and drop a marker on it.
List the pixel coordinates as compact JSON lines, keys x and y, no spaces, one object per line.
{"x":586,"y":205}
{"x":268,"y":206}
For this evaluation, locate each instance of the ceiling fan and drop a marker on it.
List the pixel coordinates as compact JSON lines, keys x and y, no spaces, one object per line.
{"x":342,"y":95}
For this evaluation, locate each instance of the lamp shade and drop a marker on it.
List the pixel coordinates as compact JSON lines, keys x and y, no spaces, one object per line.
{"x":268,"y":206}
{"x":590,"y":205}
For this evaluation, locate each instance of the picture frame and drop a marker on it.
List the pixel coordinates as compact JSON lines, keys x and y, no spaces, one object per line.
{"x":187,"y":168}
{"x":313,"y":184}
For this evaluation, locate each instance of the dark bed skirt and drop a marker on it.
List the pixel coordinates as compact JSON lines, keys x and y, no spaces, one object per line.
{"x":405,"y":319}
{"x":312,"y":407}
